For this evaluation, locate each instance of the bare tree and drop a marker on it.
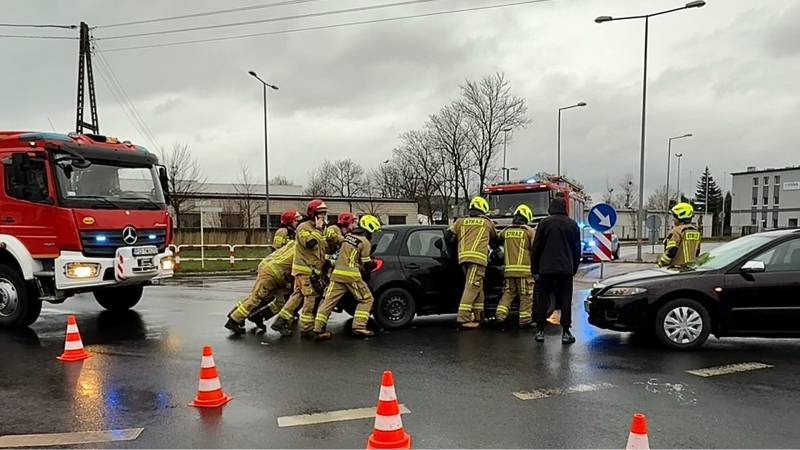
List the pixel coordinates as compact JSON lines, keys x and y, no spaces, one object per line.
{"x":394,"y":179}
{"x":280,"y":180}
{"x":373,"y":204}
{"x":247,"y":202}
{"x":419,"y":156}
{"x":448,"y":129}
{"x":344,"y":178}
{"x":629,"y":191}
{"x":318,"y":185}
{"x":489,"y":108}
{"x":658,"y":199}
{"x":185,"y":179}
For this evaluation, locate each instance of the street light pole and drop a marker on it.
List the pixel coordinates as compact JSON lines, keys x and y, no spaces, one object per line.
{"x":505,"y":144}
{"x":558,"y":163}
{"x":679,"y":156}
{"x":646,"y":17}
{"x":265,"y":85}
{"x":669,"y":160}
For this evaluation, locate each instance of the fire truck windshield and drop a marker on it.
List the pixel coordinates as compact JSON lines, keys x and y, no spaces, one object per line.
{"x":105,"y":185}
{"x":503,"y":204}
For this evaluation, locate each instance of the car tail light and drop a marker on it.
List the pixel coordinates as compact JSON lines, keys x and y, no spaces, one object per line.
{"x":378,"y":265}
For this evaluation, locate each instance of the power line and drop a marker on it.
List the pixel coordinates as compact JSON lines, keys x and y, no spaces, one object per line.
{"x":207,"y":13}
{"x":271,"y":19}
{"x":24,"y":36}
{"x":27,"y":25}
{"x":326,"y":27}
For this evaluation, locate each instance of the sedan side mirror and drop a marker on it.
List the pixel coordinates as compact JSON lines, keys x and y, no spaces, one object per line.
{"x":753,"y":267}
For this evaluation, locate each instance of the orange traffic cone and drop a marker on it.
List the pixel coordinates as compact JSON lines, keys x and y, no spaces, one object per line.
{"x":637,"y":439}
{"x":73,"y":346}
{"x":209,"y":390}
{"x":388,"y":432}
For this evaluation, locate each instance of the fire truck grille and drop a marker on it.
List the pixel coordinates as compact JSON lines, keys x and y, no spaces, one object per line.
{"x":104,"y":243}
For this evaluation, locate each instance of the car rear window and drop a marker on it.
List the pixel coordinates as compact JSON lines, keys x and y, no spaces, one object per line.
{"x":381,"y":241}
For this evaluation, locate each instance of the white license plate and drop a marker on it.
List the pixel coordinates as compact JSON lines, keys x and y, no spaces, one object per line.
{"x":144,"y":251}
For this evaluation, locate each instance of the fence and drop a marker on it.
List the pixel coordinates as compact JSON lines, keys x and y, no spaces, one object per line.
{"x":222,"y":236}
{"x":221,"y":253}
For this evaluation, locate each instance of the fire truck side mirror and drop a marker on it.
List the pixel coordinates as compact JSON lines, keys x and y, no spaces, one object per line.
{"x":164,"y":179}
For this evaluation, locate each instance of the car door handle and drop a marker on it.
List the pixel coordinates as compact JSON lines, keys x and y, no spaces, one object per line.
{"x":412,"y":266}
{"x":7,"y":219}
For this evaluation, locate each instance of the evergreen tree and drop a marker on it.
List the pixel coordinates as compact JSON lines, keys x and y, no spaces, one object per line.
{"x":715,"y":200}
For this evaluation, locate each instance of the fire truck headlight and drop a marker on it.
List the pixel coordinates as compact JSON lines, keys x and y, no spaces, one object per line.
{"x":167,"y":264}
{"x":82,"y":270}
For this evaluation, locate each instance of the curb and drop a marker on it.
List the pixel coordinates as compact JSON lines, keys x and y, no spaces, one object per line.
{"x":229,"y":273}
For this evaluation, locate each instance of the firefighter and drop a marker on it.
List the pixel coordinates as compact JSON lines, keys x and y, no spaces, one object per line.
{"x":474,"y":235}
{"x":309,"y":258}
{"x":286,"y":230}
{"x":274,"y":274}
{"x":354,"y":257}
{"x":334,"y":234}
{"x":683,"y":245}
{"x":517,"y":243}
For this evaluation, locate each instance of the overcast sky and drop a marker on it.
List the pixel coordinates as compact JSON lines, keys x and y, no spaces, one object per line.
{"x":728,"y":73}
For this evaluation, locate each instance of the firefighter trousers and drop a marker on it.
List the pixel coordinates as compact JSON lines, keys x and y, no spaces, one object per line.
{"x":334,"y":293}
{"x":304,"y":293}
{"x":513,"y":287}
{"x":471,"y":307}
{"x":266,"y":286}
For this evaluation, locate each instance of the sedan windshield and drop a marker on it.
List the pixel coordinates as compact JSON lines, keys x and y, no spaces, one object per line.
{"x":730,"y":252}
{"x":104,"y":185}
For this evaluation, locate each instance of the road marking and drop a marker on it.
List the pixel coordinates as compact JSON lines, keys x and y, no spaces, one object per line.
{"x":331,"y":416}
{"x":66,"y":439}
{"x":538,"y":394}
{"x":730,"y":368}
{"x":54,"y":311}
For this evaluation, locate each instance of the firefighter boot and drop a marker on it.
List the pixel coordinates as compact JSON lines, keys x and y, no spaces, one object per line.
{"x":363,"y":332}
{"x":259,"y":316}
{"x":235,"y":326}
{"x":323,"y":335}
{"x":282,"y":326}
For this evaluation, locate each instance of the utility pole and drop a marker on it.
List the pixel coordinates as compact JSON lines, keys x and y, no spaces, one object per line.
{"x":85,"y":67}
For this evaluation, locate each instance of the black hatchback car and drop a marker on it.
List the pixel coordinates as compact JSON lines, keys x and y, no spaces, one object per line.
{"x":747,"y":287}
{"x":418,"y":274}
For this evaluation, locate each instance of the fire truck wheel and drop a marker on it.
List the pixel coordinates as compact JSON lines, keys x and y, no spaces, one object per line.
{"x":17,"y":308}
{"x":119,"y":298}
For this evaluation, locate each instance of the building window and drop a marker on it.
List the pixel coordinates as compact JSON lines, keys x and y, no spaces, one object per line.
{"x":792,"y":223}
{"x":777,"y":197}
{"x":753,"y":217}
{"x":189,"y":220}
{"x":274,"y":221}
{"x":774,"y":221}
{"x":777,"y":180}
{"x":766,"y":181}
{"x":755,"y":181}
{"x":397,"y":220}
{"x":231,"y":220}
{"x":765,"y":195}
{"x":755,"y":196}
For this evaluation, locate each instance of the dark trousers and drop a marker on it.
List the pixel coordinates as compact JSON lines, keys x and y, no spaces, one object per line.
{"x":559,"y":287}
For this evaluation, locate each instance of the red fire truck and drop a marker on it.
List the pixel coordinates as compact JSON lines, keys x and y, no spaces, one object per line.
{"x":79,"y":213}
{"x":536,"y":192}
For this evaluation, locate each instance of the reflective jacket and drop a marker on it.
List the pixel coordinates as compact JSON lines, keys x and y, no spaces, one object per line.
{"x":333,"y":239}
{"x":474,"y":235}
{"x":683,"y":246}
{"x":353,"y":255}
{"x":309,"y":250}
{"x":517,"y":245}
{"x":279,"y":263}
{"x":281,"y":237}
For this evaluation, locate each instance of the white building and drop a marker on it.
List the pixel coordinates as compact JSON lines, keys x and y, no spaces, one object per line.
{"x":765,"y":200}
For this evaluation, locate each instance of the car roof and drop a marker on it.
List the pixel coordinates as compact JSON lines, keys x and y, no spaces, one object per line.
{"x":778,"y":233}
{"x":410,"y":227}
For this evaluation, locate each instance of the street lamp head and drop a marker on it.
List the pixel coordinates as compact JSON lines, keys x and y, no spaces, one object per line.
{"x":602,"y":19}
{"x":687,"y":135}
{"x":273,"y":86}
{"x":696,"y":4}
{"x":507,"y":129}
{"x":253,"y":74}
{"x":581,"y":104}
{"x":679,"y":155}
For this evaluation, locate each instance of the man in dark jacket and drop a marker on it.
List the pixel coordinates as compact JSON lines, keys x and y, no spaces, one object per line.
{"x":556,"y":256}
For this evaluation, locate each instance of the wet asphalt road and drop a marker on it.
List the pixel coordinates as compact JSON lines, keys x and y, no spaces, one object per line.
{"x":458,"y":385}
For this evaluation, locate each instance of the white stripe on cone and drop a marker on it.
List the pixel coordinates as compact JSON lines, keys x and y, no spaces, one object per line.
{"x":207,"y":362}
{"x":73,"y":345}
{"x":387,"y":394}
{"x":72,"y":328}
{"x":209,"y":385}
{"x":388,"y":423}
{"x":637,"y":442}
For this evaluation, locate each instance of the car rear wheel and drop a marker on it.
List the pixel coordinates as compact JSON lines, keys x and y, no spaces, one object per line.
{"x":395,"y":308}
{"x":120,"y":298}
{"x":17,"y":307}
{"x":682,"y":324}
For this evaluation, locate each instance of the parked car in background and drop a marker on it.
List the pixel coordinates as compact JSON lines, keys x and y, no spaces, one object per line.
{"x":417,"y":274}
{"x":747,"y":287}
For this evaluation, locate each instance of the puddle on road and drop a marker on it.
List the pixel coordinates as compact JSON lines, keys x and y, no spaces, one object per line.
{"x":681,"y":392}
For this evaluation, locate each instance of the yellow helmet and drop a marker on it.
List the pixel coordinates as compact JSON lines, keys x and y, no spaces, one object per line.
{"x":683,"y":211}
{"x":524,"y":211}
{"x":369,"y":223}
{"x":479,"y":203}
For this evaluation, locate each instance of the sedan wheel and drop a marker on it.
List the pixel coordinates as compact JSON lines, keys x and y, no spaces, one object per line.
{"x":682,"y":324}
{"x":395,"y":308}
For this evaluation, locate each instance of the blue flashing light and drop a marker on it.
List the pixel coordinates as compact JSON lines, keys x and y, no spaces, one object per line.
{"x":592,"y":243}
{"x":152,"y":237}
{"x":100,"y":238}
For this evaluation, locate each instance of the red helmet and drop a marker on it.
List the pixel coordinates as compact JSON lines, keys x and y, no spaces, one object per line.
{"x":315,"y":207}
{"x":289,"y":216}
{"x":346,"y":219}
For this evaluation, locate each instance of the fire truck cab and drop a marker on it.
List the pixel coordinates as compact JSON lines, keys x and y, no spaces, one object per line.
{"x":79,"y":213}
{"x":536,"y":192}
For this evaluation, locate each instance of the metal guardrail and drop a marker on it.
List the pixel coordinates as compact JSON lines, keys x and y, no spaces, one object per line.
{"x":231,"y":258}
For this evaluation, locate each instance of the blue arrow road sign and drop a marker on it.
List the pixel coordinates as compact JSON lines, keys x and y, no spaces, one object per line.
{"x":602,"y":217}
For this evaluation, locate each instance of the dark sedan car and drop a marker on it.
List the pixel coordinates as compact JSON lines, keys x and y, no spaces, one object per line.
{"x":418,"y":274}
{"x":747,"y":287}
